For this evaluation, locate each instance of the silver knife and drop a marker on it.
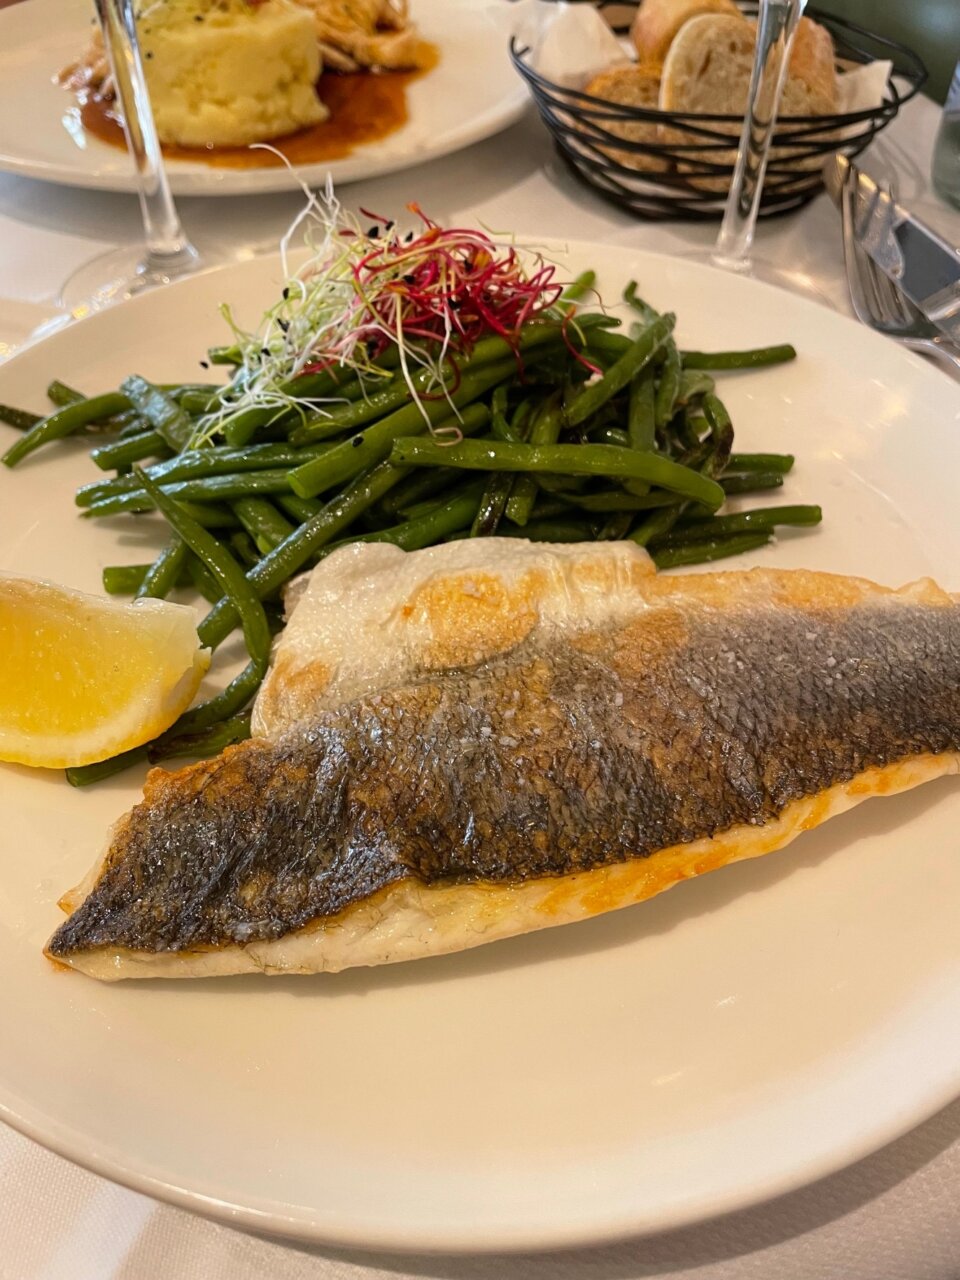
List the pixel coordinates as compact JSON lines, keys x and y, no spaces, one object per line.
{"x":922,"y":265}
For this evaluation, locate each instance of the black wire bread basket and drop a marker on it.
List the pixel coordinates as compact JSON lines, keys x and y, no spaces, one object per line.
{"x":682,"y":166}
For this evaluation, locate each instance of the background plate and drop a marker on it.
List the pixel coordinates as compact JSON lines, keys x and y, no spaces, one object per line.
{"x":748,"y":1032}
{"x":473,"y":93}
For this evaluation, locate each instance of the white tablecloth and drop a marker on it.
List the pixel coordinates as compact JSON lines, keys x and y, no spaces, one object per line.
{"x":893,"y":1216}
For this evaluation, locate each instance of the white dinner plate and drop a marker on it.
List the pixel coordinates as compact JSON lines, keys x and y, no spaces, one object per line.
{"x":472,"y":93}
{"x":748,"y":1032}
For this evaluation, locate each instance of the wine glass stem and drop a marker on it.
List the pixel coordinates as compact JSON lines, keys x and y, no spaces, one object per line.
{"x":167,"y":248}
{"x":776,"y":23}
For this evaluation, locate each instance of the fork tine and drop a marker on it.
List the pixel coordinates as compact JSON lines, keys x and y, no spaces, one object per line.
{"x":879,"y":299}
{"x":895,"y":303}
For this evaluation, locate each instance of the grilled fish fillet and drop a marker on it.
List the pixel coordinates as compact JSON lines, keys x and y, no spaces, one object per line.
{"x":489,"y":737}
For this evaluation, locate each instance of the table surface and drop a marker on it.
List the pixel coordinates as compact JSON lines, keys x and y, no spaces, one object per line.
{"x":893,"y":1215}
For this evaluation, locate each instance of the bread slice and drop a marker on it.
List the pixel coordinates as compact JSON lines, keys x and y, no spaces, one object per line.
{"x":710,"y":62}
{"x":629,"y":86}
{"x":708,"y":71}
{"x":658,"y":21}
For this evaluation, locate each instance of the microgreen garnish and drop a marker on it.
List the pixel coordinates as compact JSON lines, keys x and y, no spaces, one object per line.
{"x":369,"y":300}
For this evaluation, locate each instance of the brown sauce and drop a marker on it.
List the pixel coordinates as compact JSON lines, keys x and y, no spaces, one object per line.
{"x":364,"y":107}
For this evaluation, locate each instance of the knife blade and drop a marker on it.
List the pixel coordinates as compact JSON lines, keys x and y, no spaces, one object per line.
{"x":922,"y":265}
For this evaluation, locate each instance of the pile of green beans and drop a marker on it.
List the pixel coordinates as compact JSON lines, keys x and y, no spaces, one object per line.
{"x":577,"y":432}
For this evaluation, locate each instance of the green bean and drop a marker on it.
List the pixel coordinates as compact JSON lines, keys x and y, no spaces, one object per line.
{"x":641,"y":411}
{"x":331,"y":520}
{"x":756,"y":358}
{"x":619,"y":500}
{"x":576,"y":289}
{"x":668,"y":388}
{"x":64,"y":423}
{"x":253,"y":620}
{"x":121,"y":453}
{"x":448,"y":517}
{"x":721,"y":432}
{"x":208,"y":742}
{"x":551,"y":531}
{"x":373,"y":445}
{"x":615,"y":527}
{"x":197,"y":464}
{"x":225,"y":355}
{"x":203,"y":580}
{"x":703,"y":552}
{"x":488,"y":351}
{"x":642,"y":308}
{"x":492,"y":506}
{"x":207,"y":489}
{"x":612,"y":345}
{"x":301,"y":509}
{"x":61,"y":395}
{"x":782,"y":462}
{"x":571,"y":459}
{"x":19,"y":418}
{"x":162,"y":576}
{"x":545,"y":427}
{"x":263,"y":522}
{"x":209,"y":514}
{"x":611,"y":435}
{"x":173,"y":424}
{"x":656,"y":525}
{"x":244,"y":549}
{"x":85,"y":774}
{"x":693,"y":383}
{"x":123,"y":579}
{"x":415,"y":489}
{"x":751,"y":482}
{"x":241,"y":428}
{"x":197,"y":403}
{"x":639,"y":354}
{"x":547,"y":508}
{"x":759,"y":519}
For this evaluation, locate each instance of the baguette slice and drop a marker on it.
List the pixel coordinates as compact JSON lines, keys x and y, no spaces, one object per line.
{"x":708,"y":71}
{"x":658,"y":21}
{"x":629,"y":86}
{"x":709,"y":65}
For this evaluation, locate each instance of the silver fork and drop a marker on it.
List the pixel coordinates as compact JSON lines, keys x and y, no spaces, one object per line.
{"x":878,"y":302}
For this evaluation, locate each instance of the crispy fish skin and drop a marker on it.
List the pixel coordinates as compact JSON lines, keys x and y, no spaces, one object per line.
{"x":562,"y":759}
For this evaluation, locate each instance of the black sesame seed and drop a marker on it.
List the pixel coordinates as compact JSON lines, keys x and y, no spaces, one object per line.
{"x":204,"y":364}
{"x":373,"y":232}
{"x":286,"y":294}
{"x":357,"y":441}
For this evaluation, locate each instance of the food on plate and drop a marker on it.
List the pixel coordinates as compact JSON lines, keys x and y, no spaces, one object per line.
{"x":84,"y":678}
{"x":481,"y":739}
{"x":367,"y":33}
{"x":411,"y":388}
{"x":228,"y":73}
{"x":245,"y":73}
{"x":657,"y":22}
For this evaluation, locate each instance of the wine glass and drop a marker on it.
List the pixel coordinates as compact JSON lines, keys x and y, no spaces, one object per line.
{"x":167,"y":252}
{"x":776,"y":23}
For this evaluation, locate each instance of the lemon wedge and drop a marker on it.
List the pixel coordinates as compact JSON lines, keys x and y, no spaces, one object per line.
{"x":83,"y":677}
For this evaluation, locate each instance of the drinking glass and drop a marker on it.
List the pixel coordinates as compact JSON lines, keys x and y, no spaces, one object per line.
{"x":776,"y":23}
{"x":166,"y":252}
